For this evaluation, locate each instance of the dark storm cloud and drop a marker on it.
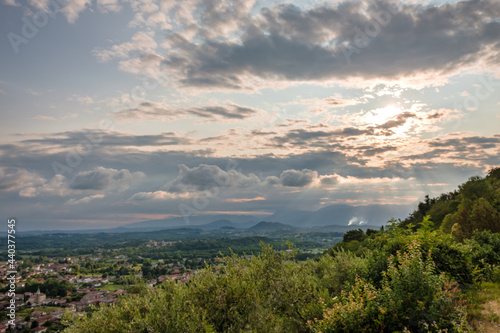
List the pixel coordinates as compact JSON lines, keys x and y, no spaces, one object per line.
{"x":380,"y":39}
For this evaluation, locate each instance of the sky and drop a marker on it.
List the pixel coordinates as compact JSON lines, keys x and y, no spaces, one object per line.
{"x":119,"y":111}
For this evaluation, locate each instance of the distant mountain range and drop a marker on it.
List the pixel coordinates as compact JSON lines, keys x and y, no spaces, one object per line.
{"x":336,"y":217}
{"x":340,"y":215}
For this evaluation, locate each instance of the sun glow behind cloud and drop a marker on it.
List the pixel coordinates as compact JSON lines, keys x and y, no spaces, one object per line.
{"x":382,"y":115}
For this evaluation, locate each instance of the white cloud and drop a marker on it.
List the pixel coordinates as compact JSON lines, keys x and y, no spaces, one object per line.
{"x":73,"y":8}
{"x":56,"y":186}
{"x":84,"y":200}
{"x":141,"y":42}
{"x":16,"y":178}
{"x":11,"y":3}
{"x":157,"y":195}
{"x":106,"y":6}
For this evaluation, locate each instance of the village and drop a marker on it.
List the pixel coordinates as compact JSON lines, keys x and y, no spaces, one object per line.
{"x":80,"y":284}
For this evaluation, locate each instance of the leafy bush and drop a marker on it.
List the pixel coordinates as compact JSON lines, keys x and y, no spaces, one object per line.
{"x":412,"y":295}
{"x":167,"y":309}
{"x":337,"y":271}
{"x":270,"y":292}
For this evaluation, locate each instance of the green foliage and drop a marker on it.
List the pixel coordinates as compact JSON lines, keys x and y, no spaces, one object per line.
{"x":270,"y":292}
{"x":474,"y":206}
{"x":411,"y":296}
{"x":168,"y":309}
{"x":52,"y":287}
{"x":357,"y":234}
{"x":266,"y":291}
{"x":403,"y":279}
{"x":337,"y":271}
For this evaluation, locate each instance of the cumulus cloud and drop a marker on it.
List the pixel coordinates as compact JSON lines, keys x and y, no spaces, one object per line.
{"x":73,"y":8}
{"x":206,"y":177}
{"x":17,"y":178}
{"x":98,"y":179}
{"x":56,"y":186}
{"x":298,"y":178}
{"x":272,"y":181}
{"x":367,"y":39}
{"x":106,"y":6}
{"x":141,"y":42}
{"x":329,"y":180}
{"x":103,"y":178}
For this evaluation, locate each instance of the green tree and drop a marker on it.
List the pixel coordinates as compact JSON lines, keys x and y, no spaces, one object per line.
{"x":351,"y":235}
{"x":484,"y":216}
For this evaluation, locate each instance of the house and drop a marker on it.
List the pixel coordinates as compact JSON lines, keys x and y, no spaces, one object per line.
{"x":44,"y":319}
{"x":37,"y":298}
{"x":38,"y":313}
{"x":39,"y":329}
{"x":52,"y":301}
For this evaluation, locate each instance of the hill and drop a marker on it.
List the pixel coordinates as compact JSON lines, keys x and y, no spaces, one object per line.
{"x":475,"y":205}
{"x":196,"y":222}
{"x":339,"y":215}
{"x":270,"y":227}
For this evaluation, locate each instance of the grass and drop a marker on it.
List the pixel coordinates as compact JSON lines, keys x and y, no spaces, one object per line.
{"x":47,"y":309}
{"x":112,"y":287}
{"x":485,"y":309}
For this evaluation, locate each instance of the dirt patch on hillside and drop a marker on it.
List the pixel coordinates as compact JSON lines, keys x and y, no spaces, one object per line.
{"x":491,"y":317}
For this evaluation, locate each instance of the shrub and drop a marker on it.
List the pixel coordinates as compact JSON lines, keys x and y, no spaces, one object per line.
{"x":167,"y":309}
{"x":411,"y":296}
{"x":339,"y":270}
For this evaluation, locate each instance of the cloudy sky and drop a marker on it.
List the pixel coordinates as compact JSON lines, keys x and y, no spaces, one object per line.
{"x":118,"y":111}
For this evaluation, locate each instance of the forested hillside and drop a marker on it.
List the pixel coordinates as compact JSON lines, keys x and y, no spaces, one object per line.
{"x":423,"y":274}
{"x":474,"y":206}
